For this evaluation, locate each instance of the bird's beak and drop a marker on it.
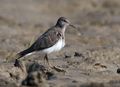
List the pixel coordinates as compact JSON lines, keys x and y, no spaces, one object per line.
{"x":76,"y":29}
{"x":72,"y":26}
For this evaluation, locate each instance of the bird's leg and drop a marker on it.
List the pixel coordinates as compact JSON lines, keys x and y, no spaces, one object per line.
{"x":53,"y":67}
{"x":46,"y":60}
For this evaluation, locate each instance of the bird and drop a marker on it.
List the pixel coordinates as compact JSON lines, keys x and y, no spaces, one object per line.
{"x":52,"y":40}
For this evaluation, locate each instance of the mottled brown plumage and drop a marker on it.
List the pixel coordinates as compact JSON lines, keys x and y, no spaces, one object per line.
{"x":48,"y":39}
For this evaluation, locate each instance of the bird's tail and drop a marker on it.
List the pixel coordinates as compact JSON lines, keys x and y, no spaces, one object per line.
{"x":23,"y":53}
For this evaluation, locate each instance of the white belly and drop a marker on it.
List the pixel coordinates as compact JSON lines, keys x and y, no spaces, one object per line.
{"x":58,"y":46}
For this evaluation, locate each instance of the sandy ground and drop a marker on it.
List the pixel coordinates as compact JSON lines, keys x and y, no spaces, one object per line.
{"x":91,"y":57}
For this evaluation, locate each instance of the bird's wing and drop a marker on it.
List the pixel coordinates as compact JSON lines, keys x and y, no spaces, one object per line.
{"x":48,"y":39}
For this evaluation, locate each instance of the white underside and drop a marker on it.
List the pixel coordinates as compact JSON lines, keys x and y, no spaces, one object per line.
{"x":58,"y":46}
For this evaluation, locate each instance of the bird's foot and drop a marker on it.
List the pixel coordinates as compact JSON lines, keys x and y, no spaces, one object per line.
{"x":58,"y":69}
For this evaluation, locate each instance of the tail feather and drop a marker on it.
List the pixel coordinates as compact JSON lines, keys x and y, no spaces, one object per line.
{"x":23,"y":53}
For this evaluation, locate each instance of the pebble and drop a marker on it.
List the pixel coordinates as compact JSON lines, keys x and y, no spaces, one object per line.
{"x":118,"y":70}
{"x":78,"y":54}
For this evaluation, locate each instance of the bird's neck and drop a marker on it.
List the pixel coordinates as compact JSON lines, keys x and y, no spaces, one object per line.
{"x":63,"y":31}
{"x":63,"y":28}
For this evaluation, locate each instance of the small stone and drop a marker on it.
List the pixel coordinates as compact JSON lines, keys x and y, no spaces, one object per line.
{"x":78,"y":54}
{"x":67,"y":55}
{"x":74,"y":81}
{"x":50,"y":75}
{"x":118,"y":70}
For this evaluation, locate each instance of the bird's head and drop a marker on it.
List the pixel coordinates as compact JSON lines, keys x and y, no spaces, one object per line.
{"x":64,"y":22}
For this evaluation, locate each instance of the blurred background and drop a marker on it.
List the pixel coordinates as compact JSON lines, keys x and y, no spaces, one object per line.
{"x":98,"y":22}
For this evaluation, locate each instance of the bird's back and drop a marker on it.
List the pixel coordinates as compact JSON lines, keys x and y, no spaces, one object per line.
{"x":48,"y":39}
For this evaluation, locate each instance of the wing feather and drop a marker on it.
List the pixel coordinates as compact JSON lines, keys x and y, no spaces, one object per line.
{"x":48,"y":39}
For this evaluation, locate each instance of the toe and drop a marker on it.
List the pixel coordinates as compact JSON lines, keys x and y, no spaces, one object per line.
{"x":58,"y":69}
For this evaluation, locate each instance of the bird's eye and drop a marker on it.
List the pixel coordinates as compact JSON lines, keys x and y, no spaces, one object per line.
{"x":64,"y":20}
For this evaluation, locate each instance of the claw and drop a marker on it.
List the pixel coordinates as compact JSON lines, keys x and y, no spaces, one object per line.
{"x":58,"y":69}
